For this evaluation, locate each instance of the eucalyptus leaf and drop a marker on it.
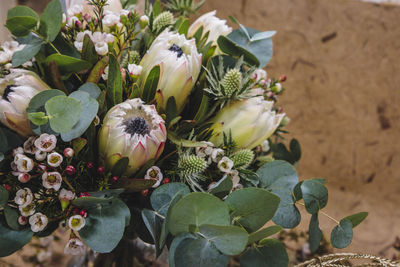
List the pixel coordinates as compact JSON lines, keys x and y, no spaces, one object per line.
{"x":28,"y":52}
{"x":271,"y":254}
{"x":161,"y":198}
{"x":21,"y":20}
{"x":231,"y":48}
{"x":38,"y":118}
{"x":230,"y":240}
{"x":194,"y":251}
{"x":315,"y":195}
{"x":11,"y":215}
{"x":89,"y":107}
{"x":252,"y":207}
{"x":315,"y":233}
{"x":51,"y":20}
{"x":196,"y":209}
{"x":222,"y":188}
{"x":280,"y":178}
{"x":263,"y":233}
{"x":342,"y":234}
{"x":357,"y":218}
{"x":3,"y":196}
{"x":64,"y":113}
{"x":154,"y":224}
{"x":12,"y":240}
{"x":92,"y":89}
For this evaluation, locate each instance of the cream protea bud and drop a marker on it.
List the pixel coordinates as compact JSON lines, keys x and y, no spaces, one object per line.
{"x":134,"y":130}
{"x":192,"y":165}
{"x":215,"y":26}
{"x":179,"y":63}
{"x":249,"y":121}
{"x":16,"y":91}
{"x":232,"y":82}
{"x":243,"y":158}
{"x":164,"y":19}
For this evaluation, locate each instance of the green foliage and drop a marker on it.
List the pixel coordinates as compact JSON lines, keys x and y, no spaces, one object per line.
{"x":184,"y":7}
{"x":282,"y":153}
{"x":21,"y":20}
{"x":357,"y":218}
{"x":28,"y":52}
{"x":195,"y":251}
{"x":263,"y":233}
{"x":315,"y":195}
{"x":154,"y":224}
{"x":68,"y":64}
{"x":92,"y":89}
{"x":271,"y":254}
{"x":342,"y":234}
{"x":88,"y":50}
{"x":315,"y":233}
{"x":150,"y":86}
{"x":161,"y":198}
{"x":252,"y":207}
{"x":105,"y":225}
{"x":89,"y":108}
{"x":280,"y":178}
{"x":11,"y":215}
{"x":196,"y":209}
{"x":38,"y":118}
{"x":3,"y":197}
{"x":63,"y":112}
{"x":120,"y":167}
{"x":12,"y":240}
{"x":222,"y":188}
{"x":182,"y":25}
{"x":114,"y":83}
{"x":51,"y":20}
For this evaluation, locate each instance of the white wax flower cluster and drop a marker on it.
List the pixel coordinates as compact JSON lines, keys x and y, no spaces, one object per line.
{"x":99,"y":39}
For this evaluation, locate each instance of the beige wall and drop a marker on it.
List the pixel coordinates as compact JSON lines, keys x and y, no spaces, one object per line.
{"x":4,"y":6}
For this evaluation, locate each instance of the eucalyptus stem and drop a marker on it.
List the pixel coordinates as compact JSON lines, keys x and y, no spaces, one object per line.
{"x":323,"y":213}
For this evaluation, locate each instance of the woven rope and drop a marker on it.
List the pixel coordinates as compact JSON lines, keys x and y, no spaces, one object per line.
{"x":334,"y":260}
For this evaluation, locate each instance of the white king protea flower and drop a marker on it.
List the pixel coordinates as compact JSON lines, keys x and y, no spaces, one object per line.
{"x":250,"y":122}
{"x":16,"y":91}
{"x":215,"y":26}
{"x":180,"y":65}
{"x":134,"y":130}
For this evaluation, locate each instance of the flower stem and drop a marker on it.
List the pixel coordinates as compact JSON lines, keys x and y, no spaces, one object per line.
{"x":323,"y":213}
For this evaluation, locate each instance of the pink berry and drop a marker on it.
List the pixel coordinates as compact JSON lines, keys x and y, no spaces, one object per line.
{"x":283,"y":78}
{"x":84,"y":194}
{"x":22,"y":220}
{"x":101,"y":169}
{"x":76,"y":211}
{"x":7,"y":187}
{"x":84,"y":213}
{"x":90,"y":165}
{"x":166,"y":181}
{"x":24,"y":177}
{"x":145,"y":192}
{"x":70,"y":170}
{"x":115,"y":178}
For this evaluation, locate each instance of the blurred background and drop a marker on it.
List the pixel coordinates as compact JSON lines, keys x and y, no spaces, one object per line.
{"x":341,"y":58}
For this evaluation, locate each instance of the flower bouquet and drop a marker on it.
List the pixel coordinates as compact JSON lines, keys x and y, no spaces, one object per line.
{"x":125,"y":126}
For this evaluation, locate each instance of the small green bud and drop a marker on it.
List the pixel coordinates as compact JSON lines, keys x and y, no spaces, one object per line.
{"x":232,"y":81}
{"x":143,"y":21}
{"x":164,"y":19}
{"x":192,"y":164}
{"x":285,"y":121}
{"x":243,"y":158}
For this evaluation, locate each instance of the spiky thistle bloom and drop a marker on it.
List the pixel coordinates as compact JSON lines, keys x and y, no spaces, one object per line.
{"x":191,"y":168}
{"x":249,"y":121}
{"x":179,"y":63}
{"x":232,"y":82}
{"x":16,"y":91}
{"x":163,"y":20}
{"x":243,"y":158}
{"x":134,"y":130}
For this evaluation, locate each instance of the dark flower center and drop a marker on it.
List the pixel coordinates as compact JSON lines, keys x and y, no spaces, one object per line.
{"x":136,"y":126}
{"x":175,"y":48}
{"x":7,"y":91}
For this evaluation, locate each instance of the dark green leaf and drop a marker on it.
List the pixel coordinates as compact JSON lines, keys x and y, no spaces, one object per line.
{"x":357,"y":218}
{"x":3,"y":196}
{"x":222,"y":188}
{"x":230,"y":240}
{"x":189,"y":250}
{"x":64,"y":113}
{"x":295,"y":149}
{"x":11,"y":215}
{"x":252,"y":207}
{"x":120,"y":167}
{"x":315,"y":234}
{"x":196,"y":209}
{"x":3,"y":142}
{"x":135,"y":185}
{"x":92,"y":202}
{"x":105,"y":226}
{"x":263,"y":233}
{"x":342,"y":234}
{"x":12,"y":240}
{"x":151,"y":84}
{"x":271,"y":254}
{"x":88,"y":50}
{"x":171,"y":110}
{"x":280,"y":178}
{"x":28,"y":52}
{"x":51,"y":20}
{"x":21,"y":20}
{"x":315,"y":195}
{"x":153,"y":223}
{"x":89,"y":108}
{"x":68,"y":64}
{"x":161,"y":198}
{"x":183,"y":27}
{"x":107,"y":193}
{"x":78,"y":144}
{"x":114,"y":83}
{"x":156,"y":8}
{"x":231,"y":48}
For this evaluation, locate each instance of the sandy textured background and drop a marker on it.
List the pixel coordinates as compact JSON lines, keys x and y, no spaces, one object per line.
{"x":343,"y":96}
